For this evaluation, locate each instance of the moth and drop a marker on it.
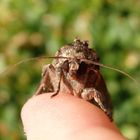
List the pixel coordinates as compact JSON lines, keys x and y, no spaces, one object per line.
{"x":74,"y":67}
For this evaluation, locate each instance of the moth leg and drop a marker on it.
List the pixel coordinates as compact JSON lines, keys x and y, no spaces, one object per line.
{"x":40,"y":89}
{"x":102,"y":98}
{"x":92,"y":94}
{"x":59,"y":75}
{"x":46,"y":73}
{"x":44,"y":69}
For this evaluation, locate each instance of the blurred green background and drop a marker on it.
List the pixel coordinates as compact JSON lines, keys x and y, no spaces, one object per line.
{"x":32,"y":28}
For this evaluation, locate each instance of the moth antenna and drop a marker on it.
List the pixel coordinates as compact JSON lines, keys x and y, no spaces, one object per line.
{"x":9,"y":68}
{"x":115,"y":69}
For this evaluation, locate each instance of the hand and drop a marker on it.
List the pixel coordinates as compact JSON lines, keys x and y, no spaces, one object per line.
{"x":65,"y":117}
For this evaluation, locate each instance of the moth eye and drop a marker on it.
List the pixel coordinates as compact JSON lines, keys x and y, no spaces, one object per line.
{"x":66,"y":66}
{"x":82,"y":68}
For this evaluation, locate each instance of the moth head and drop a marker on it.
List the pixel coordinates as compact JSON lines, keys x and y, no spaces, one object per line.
{"x":77,"y":68}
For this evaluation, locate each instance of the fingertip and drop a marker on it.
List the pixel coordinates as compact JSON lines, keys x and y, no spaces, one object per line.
{"x":62,"y":114}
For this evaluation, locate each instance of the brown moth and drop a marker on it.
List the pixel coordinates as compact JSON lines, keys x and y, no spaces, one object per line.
{"x":76,"y":70}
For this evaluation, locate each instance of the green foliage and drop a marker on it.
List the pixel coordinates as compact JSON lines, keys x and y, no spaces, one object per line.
{"x":31,"y":28}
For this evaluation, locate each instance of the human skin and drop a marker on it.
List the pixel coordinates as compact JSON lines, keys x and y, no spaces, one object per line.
{"x":66,"y":117}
